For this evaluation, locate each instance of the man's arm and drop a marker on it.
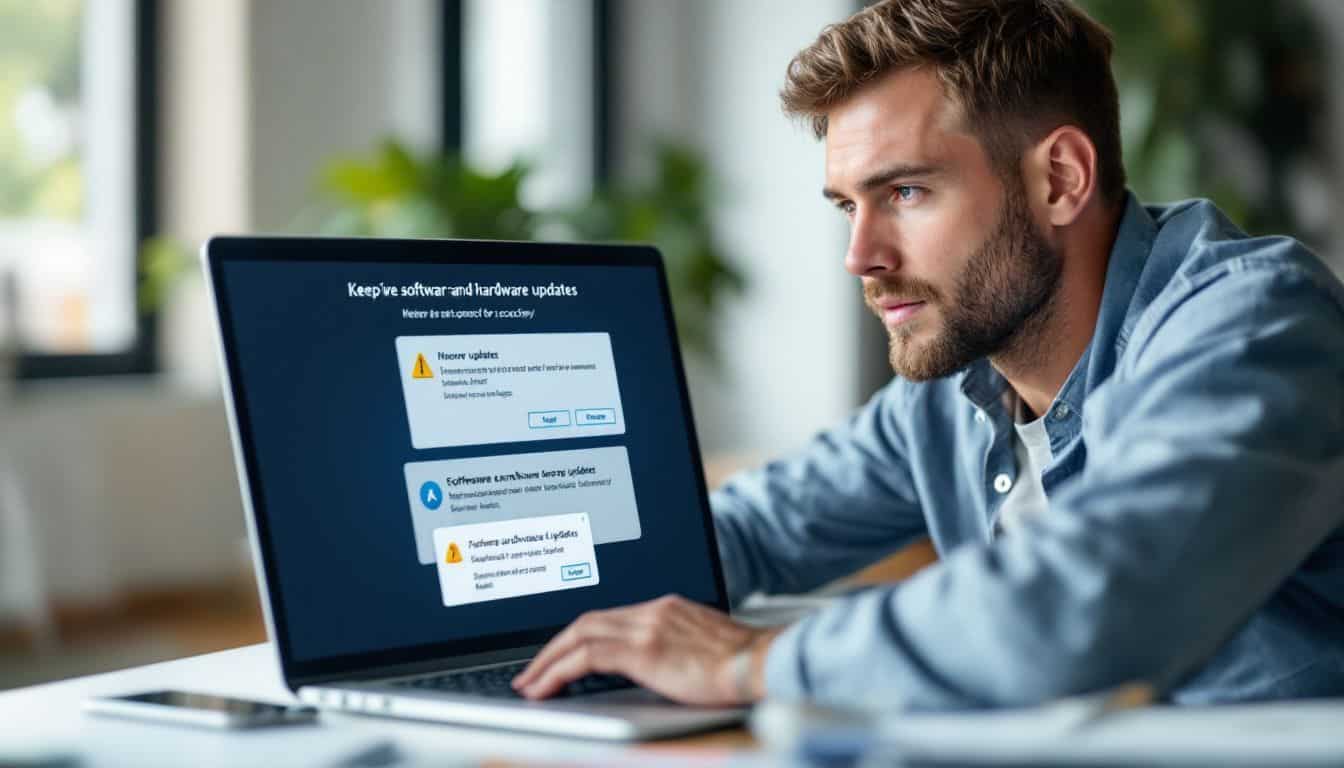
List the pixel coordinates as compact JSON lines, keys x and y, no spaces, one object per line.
{"x":1200,"y":497}
{"x":1204,"y":451}
{"x":844,"y":502}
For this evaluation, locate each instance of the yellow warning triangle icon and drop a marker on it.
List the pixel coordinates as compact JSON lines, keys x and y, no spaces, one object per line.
{"x":454,"y":554}
{"x":421,"y":369}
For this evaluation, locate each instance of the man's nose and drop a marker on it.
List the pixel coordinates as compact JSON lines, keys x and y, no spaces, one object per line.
{"x":872,"y":250}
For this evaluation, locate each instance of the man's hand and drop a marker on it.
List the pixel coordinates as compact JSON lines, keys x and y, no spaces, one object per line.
{"x":671,"y":645}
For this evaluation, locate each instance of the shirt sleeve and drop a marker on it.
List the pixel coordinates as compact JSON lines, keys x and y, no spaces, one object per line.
{"x":845,"y":501}
{"x":1209,"y":451}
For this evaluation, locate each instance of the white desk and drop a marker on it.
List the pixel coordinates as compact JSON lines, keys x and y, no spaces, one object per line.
{"x":49,"y":716}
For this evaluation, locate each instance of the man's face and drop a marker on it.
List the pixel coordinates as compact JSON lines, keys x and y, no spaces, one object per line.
{"x":949,"y":256}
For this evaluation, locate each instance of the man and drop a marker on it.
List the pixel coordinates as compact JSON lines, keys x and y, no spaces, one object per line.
{"x":1110,"y":419}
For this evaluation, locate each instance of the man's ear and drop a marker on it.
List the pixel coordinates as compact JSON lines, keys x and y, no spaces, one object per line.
{"x":1061,"y":174}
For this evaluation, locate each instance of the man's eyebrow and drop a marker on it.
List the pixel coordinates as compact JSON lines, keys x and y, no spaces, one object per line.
{"x":885,"y":177}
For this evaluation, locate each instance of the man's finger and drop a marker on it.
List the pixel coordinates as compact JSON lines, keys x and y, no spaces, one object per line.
{"x":594,"y":625}
{"x":602,"y":656}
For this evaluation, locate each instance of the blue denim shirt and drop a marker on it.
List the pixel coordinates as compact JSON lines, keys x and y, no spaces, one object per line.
{"x":1192,"y":539}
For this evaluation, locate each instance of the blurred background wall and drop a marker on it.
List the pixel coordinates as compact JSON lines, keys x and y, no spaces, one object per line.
{"x":130,"y":130}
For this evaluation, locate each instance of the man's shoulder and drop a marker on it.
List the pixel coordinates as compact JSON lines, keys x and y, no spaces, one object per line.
{"x":1197,"y":245}
{"x":1200,"y":259}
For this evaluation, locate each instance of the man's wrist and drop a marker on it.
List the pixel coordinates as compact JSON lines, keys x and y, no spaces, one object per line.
{"x":748,"y":666}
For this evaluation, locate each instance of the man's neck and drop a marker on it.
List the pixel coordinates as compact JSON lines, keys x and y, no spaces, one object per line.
{"x":1040,"y":357}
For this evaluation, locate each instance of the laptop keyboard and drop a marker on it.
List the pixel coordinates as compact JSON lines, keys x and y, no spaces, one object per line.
{"x":495,"y":682}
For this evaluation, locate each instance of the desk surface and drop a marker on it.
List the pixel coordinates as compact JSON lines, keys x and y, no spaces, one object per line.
{"x":48,"y":718}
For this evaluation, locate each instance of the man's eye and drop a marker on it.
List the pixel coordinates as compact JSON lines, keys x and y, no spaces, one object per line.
{"x":905,"y":193}
{"x":846,"y":207}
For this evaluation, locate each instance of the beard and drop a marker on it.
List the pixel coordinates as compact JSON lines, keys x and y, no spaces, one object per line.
{"x":1001,"y":300}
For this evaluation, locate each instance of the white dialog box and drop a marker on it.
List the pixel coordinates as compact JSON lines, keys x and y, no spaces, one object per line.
{"x":452,"y":492}
{"x":511,"y":558}
{"x":475,"y":389}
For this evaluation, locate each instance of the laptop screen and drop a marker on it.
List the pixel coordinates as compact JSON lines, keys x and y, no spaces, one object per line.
{"x":458,"y":447}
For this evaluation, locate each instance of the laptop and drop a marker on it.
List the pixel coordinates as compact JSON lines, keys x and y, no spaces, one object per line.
{"x":449,"y":450}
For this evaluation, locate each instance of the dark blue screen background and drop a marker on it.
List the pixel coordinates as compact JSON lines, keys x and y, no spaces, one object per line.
{"x":322,"y":394}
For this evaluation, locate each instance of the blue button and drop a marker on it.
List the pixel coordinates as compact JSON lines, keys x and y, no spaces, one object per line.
{"x":576,"y":571}
{"x":431,"y":495}
{"x":591,"y":417}
{"x":547,"y":419}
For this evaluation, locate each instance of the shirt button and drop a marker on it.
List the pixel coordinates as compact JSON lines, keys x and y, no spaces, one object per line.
{"x":979,"y":417}
{"x":1002,"y":483}
{"x":1062,"y":411}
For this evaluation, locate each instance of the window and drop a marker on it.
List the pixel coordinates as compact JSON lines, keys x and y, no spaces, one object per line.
{"x":529,"y":93}
{"x":75,"y":173}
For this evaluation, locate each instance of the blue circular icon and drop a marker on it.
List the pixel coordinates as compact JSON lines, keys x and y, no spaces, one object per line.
{"x":431,"y":495}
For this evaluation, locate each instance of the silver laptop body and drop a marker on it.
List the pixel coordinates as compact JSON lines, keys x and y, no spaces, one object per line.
{"x":629,"y":714}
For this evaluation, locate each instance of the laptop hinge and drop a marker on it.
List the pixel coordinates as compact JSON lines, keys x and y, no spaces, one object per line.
{"x":418,"y":668}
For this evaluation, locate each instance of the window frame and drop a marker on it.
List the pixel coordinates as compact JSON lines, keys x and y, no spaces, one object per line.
{"x":452,"y":70}
{"x":141,"y":357}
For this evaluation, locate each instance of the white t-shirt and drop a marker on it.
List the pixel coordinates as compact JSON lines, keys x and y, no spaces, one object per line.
{"x":1031,"y":444}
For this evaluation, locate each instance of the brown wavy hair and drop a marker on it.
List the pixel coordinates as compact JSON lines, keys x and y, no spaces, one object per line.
{"x":1018,"y":69}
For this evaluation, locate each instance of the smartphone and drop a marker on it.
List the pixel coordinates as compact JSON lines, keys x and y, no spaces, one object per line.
{"x":201,"y":709}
